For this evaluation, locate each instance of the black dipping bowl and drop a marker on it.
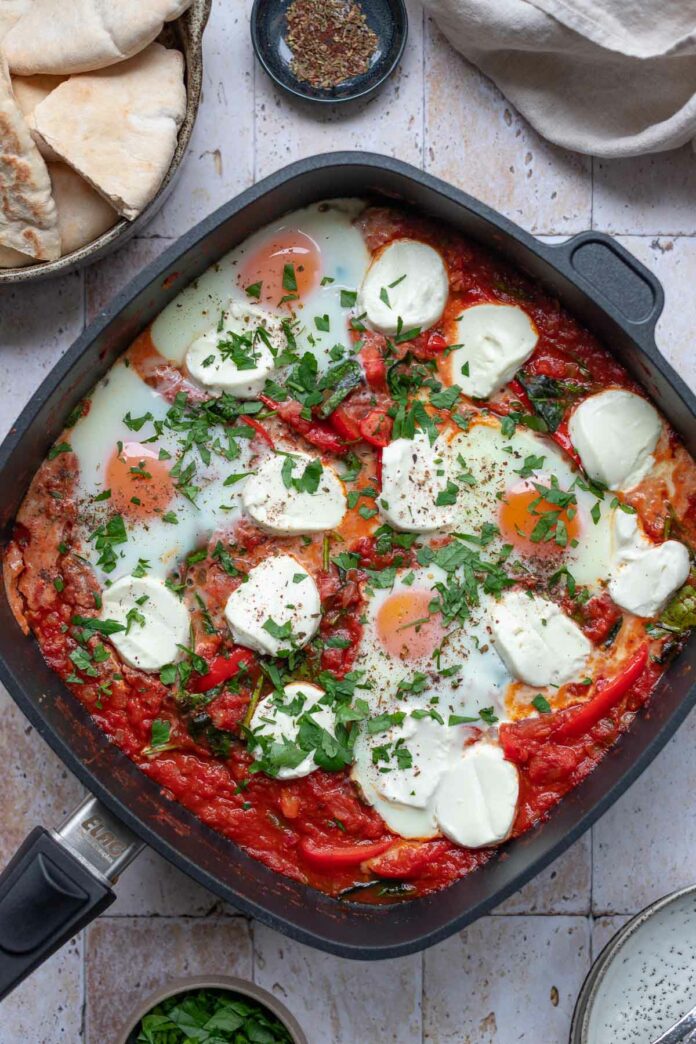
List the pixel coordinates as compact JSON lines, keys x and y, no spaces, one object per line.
{"x":387,"y":19}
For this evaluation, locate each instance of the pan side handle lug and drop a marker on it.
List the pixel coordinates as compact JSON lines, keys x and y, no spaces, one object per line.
{"x":614,"y":276}
{"x":55,"y":884}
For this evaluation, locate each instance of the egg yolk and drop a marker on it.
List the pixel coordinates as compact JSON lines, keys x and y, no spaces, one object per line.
{"x":139,"y":481}
{"x":524,"y":512}
{"x":405,"y":626}
{"x":267,"y":266}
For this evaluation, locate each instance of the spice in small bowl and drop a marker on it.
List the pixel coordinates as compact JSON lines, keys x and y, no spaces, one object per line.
{"x":330,"y":41}
{"x":214,"y":1010}
{"x":329,"y":50}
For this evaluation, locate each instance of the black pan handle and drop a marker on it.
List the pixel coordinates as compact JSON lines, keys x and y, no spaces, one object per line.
{"x":55,"y":884}
{"x":629,"y":290}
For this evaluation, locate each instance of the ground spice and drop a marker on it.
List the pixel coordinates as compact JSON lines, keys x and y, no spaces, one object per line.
{"x":330,"y":41}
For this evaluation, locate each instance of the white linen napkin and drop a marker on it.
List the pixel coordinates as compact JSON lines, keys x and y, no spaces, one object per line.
{"x":605,"y":77}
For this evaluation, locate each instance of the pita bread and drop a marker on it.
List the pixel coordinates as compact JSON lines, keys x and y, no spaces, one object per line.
{"x":28,"y":217}
{"x":29,"y":91}
{"x":10,"y":13}
{"x":118,"y":127}
{"x":10,"y":258}
{"x":71,"y":36}
{"x":82,"y":215}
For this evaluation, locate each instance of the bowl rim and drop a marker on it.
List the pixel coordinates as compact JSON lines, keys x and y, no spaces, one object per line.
{"x":295,"y":89}
{"x":587,"y":996}
{"x":229,"y":983}
{"x":123,"y":229}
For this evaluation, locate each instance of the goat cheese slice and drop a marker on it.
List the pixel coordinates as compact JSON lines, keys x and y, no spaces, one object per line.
{"x":156,"y":621}
{"x":644,"y":576}
{"x":276,"y":609}
{"x":278,"y":721}
{"x":536,"y":641}
{"x":615,"y":433}
{"x":237,"y":355}
{"x":406,"y":286}
{"x":294,"y":493}
{"x":399,"y":771}
{"x":413,"y":475}
{"x":495,"y":340}
{"x":477,"y":799}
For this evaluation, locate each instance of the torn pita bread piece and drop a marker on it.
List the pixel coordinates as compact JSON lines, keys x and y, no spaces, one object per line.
{"x":71,"y":36}
{"x":29,"y":91}
{"x":10,"y":258}
{"x":28,"y":215}
{"x":10,"y":13}
{"x":118,"y":127}
{"x":82,"y":215}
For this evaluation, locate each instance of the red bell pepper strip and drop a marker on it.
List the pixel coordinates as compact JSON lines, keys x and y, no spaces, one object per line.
{"x":588,"y":714}
{"x":376,"y":428}
{"x":221,"y":668}
{"x":436,"y":343}
{"x":560,"y":436}
{"x":260,"y":430}
{"x":346,"y":425}
{"x":521,"y":395}
{"x":374,"y":366}
{"x":338,"y":857}
{"x":318,"y":433}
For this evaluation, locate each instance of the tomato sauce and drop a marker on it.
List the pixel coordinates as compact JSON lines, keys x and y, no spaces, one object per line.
{"x":285,"y":824}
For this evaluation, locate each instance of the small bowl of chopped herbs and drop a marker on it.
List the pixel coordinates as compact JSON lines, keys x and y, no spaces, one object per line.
{"x":211,"y":1010}
{"x":329,"y":51}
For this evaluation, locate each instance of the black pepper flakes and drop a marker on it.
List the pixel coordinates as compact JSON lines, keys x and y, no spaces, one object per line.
{"x":330,"y":41}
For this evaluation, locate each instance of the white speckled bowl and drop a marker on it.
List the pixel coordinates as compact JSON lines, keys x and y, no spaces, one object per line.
{"x":644,"y":980}
{"x":186,"y":34}
{"x":212,"y":982}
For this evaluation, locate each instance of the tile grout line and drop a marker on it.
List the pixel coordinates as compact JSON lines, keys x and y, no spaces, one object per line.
{"x":254,"y":81}
{"x":424,"y":26}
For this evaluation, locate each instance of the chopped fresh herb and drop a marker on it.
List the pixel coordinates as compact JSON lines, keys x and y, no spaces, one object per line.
{"x":136,"y":423}
{"x":541,"y":704}
{"x":254,"y":290}
{"x":105,"y":538}
{"x":160,"y":732}
{"x":445,"y":399}
{"x":531,"y":464}
{"x":448,"y":495}
{"x":289,"y":278}
{"x":550,"y":397}
{"x":308,"y":481}
{"x":60,"y":447}
{"x":348,"y":298}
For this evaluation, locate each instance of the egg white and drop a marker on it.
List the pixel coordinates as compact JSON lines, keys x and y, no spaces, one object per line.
{"x":94,"y":440}
{"x":344,"y":259}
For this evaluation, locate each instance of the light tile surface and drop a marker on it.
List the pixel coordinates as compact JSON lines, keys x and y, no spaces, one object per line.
{"x":644,"y":845}
{"x":648,"y":195}
{"x":347,"y":1001}
{"x":476,"y":141}
{"x":48,"y":1006}
{"x":514,"y":975}
{"x":505,"y":979}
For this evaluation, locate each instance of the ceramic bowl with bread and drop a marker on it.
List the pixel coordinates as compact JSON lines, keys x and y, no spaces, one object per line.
{"x":97,"y":106}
